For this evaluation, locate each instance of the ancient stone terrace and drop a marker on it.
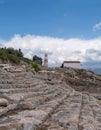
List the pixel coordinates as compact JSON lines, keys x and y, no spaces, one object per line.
{"x":35,"y":103}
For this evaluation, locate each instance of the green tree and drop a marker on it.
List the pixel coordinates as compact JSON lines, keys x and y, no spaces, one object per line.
{"x":10,"y":51}
{"x":20,"y":54}
{"x":10,"y":54}
{"x":37,"y":60}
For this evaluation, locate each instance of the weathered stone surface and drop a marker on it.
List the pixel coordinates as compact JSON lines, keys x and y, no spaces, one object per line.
{"x":48,"y":101}
{"x":25,"y":105}
{"x":3,"y":102}
{"x":28,"y":124}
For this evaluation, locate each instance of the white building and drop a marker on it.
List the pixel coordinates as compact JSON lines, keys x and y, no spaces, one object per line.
{"x":72,"y":64}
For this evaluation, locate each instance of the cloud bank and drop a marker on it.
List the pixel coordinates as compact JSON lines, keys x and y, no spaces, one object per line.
{"x":58,"y":49}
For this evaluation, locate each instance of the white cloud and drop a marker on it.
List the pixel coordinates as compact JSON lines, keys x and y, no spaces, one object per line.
{"x":97,"y":26}
{"x":58,"y":49}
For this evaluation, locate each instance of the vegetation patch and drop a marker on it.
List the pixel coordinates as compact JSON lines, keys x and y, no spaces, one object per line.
{"x":15,"y":56}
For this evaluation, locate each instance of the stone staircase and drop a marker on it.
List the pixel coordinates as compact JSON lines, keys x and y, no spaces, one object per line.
{"x":32,"y":103}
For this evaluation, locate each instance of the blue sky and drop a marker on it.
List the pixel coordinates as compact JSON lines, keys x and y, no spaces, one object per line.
{"x":55,"y":25}
{"x":56,"y":18}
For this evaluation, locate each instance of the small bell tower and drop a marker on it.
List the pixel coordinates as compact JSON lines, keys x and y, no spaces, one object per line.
{"x":46,"y":60}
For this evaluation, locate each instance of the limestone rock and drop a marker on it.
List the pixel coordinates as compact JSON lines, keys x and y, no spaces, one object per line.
{"x":54,"y":99}
{"x":25,"y":105}
{"x":28,"y":124}
{"x":3,"y":102}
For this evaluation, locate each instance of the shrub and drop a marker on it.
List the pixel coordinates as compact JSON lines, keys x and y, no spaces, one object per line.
{"x":36,"y":67}
{"x":14,"y":59}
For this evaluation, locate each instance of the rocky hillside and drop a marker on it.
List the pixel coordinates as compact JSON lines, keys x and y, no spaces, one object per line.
{"x":79,"y":79}
{"x":48,"y":100}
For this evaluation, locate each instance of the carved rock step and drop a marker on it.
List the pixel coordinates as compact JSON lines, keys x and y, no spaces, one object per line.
{"x":32,"y":117}
{"x":40,"y":89}
{"x":22,"y":88}
{"x":47,"y":105}
{"x":73,"y":112}
{"x":18,"y":85}
{"x":88,"y":118}
{"x":63,"y":113}
{"x":9,"y":81}
{"x":66,"y":116}
{"x":29,"y":94}
{"x":40,"y":98}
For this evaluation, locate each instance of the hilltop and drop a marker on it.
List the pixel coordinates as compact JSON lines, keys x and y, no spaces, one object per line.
{"x":79,"y":79}
{"x":13,"y":56}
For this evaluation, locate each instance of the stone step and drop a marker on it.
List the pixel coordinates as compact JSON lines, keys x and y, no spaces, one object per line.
{"x":68,"y":112}
{"x":17,"y":85}
{"x":87,"y":118}
{"x":96,"y":108}
{"x":66,"y":116}
{"x":36,"y":103}
{"x":34,"y":93}
{"x":36,"y":87}
{"x":28,"y":119}
{"x":7,"y":81}
{"x":22,"y":88}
